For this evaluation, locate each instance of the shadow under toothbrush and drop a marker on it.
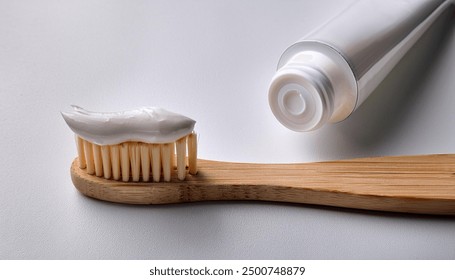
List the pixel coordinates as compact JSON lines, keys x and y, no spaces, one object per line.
{"x":200,"y":208}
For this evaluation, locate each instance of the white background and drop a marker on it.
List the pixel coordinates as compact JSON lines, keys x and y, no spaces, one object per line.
{"x":211,"y":61}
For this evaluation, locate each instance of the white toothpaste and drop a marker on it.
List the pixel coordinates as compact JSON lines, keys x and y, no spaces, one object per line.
{"x":326,"y":75}
{"x":146,"y":124}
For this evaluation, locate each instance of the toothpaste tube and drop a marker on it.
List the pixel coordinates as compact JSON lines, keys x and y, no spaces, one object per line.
{"x":326,"y":75}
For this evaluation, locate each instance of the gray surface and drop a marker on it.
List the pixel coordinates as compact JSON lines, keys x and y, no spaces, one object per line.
{"x":210,"y":60}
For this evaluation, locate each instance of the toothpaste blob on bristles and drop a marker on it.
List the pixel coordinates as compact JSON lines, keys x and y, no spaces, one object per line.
{"x":145,"y":124}
{"x":134,"y":145}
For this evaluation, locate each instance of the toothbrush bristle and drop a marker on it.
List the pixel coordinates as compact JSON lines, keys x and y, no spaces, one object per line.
{"x":134,"y":161}
{"x":125,"y":162}
{"x":80,"y":151}
{"x":106,"y":161}
{"x":192,"y":154}
{"x":166,"y":161}
{"x":89,"y":161}
{"x":181,"y":164}
{"x":145,"y":162}
{"x":115,"y":161}
{"x":97,"y":160}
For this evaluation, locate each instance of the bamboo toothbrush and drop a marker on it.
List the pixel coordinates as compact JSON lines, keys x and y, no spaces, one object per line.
{"x":423,"y":184}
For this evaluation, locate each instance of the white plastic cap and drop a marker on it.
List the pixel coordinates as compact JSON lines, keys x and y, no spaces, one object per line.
{"x":300,"y":96}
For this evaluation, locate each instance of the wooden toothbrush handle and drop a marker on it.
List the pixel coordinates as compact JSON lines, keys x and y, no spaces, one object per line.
{"x":412,"y":184}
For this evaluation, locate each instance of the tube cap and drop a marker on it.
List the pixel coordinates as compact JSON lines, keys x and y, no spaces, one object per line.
{"x":300,"y":97}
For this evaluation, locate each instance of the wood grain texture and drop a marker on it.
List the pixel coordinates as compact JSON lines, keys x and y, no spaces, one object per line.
{"x":411,"y":184}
